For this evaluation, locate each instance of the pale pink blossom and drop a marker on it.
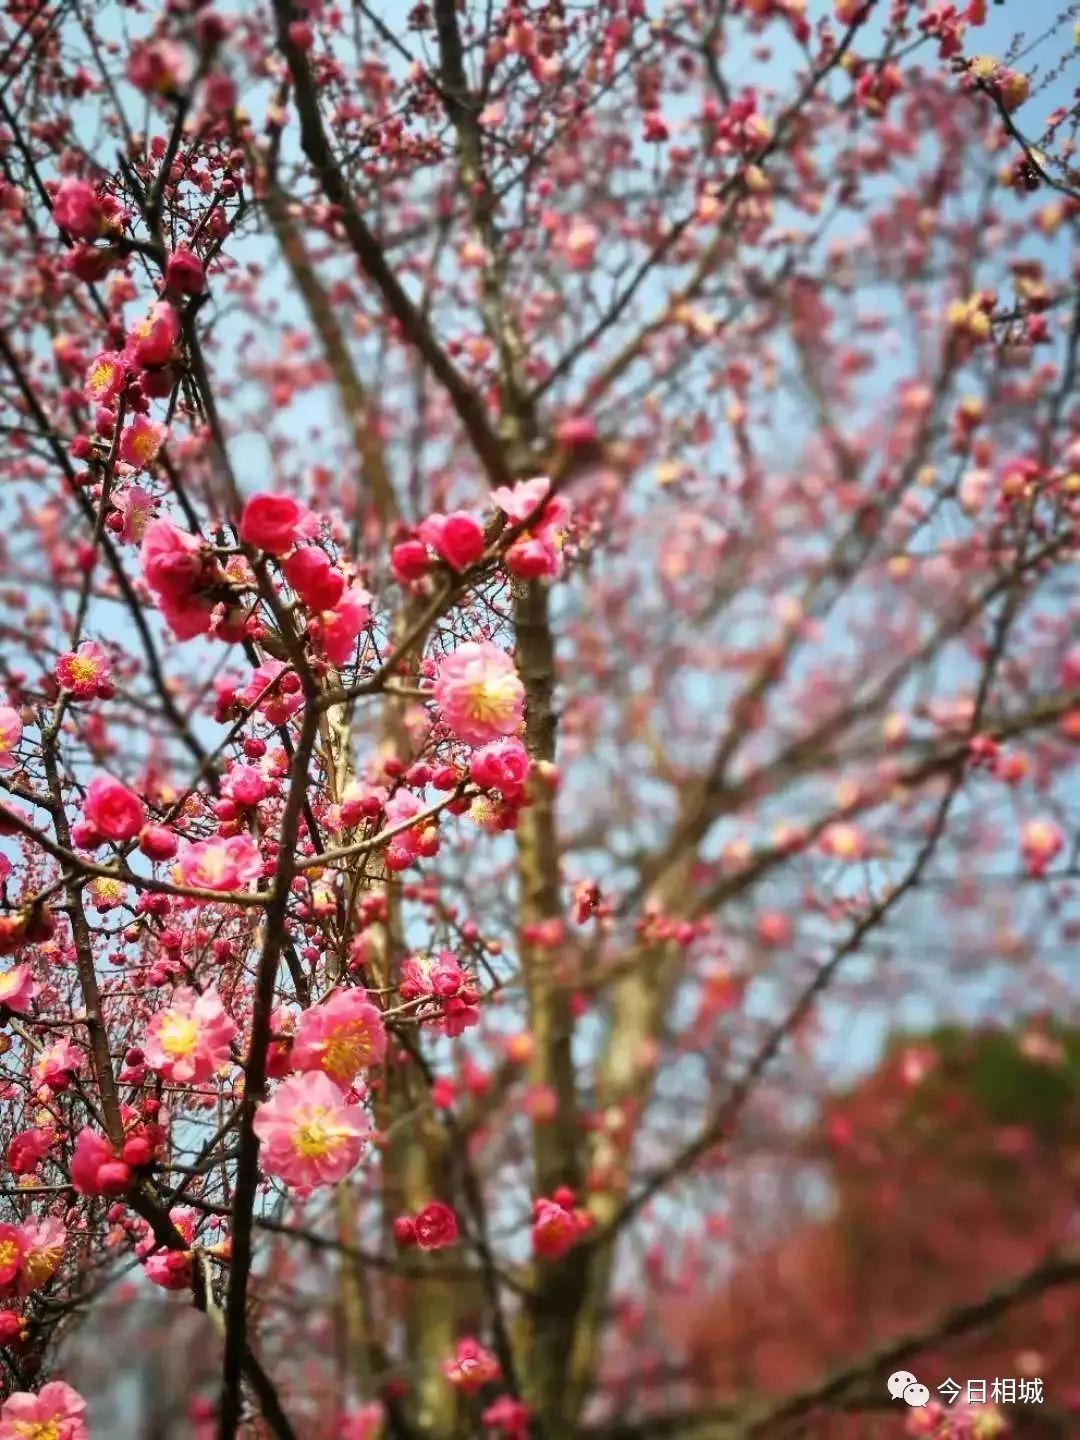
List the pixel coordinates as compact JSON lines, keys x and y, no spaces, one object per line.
{"x":479,"y":692}
{"x":54,"y":1413}
{"x":158,"y":67}
{"x":340,"y":1037}
{"x":17,"y":989}
{"x":56,"y":1064}
{"x":1040,"y":842}
{"x":309,"y":1135}
{"x":42,"y":1241}
{"x":518,"y":502}
{"x":134,"y":506}
{"x":10,"y":735}
{"x":221,"y":863}
{"x":190,"y":1040}
{"x":579,"y":244}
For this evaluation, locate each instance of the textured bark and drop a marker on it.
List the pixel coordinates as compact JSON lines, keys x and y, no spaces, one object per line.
{"x":561,"y":1285}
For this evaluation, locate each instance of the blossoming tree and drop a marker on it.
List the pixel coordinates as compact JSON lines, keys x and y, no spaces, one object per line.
{"x":539,"y":612}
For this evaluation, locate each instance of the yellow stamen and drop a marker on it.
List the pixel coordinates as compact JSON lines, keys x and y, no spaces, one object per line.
{"x":178,"y":1035}
{"x":317,"y":1135}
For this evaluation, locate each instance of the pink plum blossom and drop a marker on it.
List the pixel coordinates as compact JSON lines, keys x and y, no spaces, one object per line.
{"x":479,"y":692}
{"x":334,"y":632}
{"x":95,"y":1167}
{"x":274,"y":522}
{"x":54,"y":1413}
{"x":190,"y":1039}
{"x":77,"y":209}
{"x":82,"y":672}
{"x":457,"y":538}
{"x":112,"y":810}
{"x":10,"y":735}
{"x":42,"y":1241}
{"x":141,"y":441}
{"x":309,"y":1135}
{"x":173,"y":566}
{"x":502,"y":765}
{"x":17,"y":989}
{"x":152,"y":341}
{"x":221,"y":863}
{"x":341,"y":1036}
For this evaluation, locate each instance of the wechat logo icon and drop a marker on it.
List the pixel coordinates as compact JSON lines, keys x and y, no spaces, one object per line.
{"x":903,"y":1385}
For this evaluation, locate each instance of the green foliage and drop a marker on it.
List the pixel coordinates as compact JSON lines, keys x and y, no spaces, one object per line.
{"x":1008,"y":1087}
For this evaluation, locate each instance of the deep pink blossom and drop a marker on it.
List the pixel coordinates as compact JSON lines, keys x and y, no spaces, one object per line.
{"x":112,"y":810}
{"x":435,"y":1226}
{"x":169,"y":1269}
{"x":436,"y":976}
{"x":409,"y":561}
{"x":556,"y":1227}
{"x":173,"y":565}
{"x":77,"y":209}
{"x":141,"y":441}
{"x":273,"y":522}
{"x":457,"y":538}
{"x":534,"y":554}
{"x":314,"y":577}
{"x":82,"y":672}
{"x":157,"y":842}
{"x":245,"y":785}
{"x":502,"y":765}
{"x":363,"y":1423}
{"x":184,"y":273}
{"x":507,"y":1417}
{"x":95,"y":1166}
{"x":334,"y":632}
{"x":340,"y":1036}
{"x":105,"y":378}
{"x":27,"y":1149}
{"x":471,"y":1366}
{"x":153,"y":340}
{"x":158,"y":67}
